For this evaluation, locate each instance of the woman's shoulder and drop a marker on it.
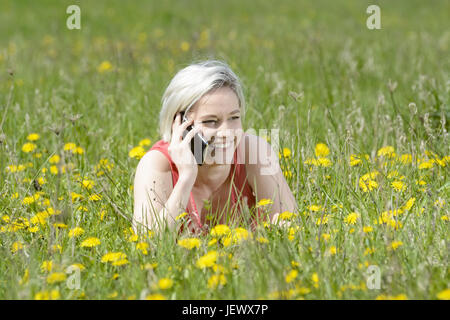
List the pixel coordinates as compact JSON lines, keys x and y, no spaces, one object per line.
{"x":156,"y":159}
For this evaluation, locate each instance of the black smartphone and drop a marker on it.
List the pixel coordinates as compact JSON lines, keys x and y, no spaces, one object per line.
{"x":199,"y":144}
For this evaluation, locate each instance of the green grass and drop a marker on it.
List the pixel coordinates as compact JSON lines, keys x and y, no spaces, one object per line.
{"x":320,"y":52}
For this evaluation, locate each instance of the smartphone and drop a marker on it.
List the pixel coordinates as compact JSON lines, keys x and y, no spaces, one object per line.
{"x":199,"y":144}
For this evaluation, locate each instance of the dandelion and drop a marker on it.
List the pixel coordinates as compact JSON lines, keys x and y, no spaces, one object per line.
{"x":354,"y":160}
{"x":142,"y":246}
{"x":70,"y":146}
{"x":47,"y":266}
{"x":368,"y":185}
{"x":156,"y":296}
{"x":181,"y":216}
{"x":263,"y":202}
{"x":113,"y":257}
{"x":287,"y":153}
{"x":291,"y":276}
{"x":207,"y":260}
{"x":165,"y":283}
{"x":104,"y":67}
{"x":315,"y":279}
{"x":262,"y":240}
{"x":286,"y":215}
{"x":16,"y":246}
{"x":220,"y":230}
{"x":75,"y":232}
{"x":398,"y":185}
{"x":351,"y":218}
{"x":444,"y":295}
{"x":95,"y":197}
{"x":45,"y":295}
{"x":90,"y":242}
{"x":367,"y":229}
{"x":426,"y":165}
{"x":215,"y":280}
{"x":28,"y":147}
{"x":332,"y":250}
{"x":33,"y":137}
{"x":137,"y":152}
{"x":396,"y":244}
{"x":321,"y":150}
{"x":185,"y":46}
{"x":88,"y":184}
{"x":56,"y":277}
{"x":387,"y":151}
{"x":189,"y":243}
{"x":145,"y":142}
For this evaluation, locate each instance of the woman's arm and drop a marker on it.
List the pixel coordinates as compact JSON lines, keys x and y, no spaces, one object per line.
{"x":156,"y":202}
{"x":266,"y":178}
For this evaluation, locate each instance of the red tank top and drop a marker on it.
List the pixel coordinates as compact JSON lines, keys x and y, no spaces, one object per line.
{"x":241,"y":192}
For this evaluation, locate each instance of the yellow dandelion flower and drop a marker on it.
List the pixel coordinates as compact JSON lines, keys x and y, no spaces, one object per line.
{"x":387,"y":151}
{"x":444,"y":295}
{"x":104,"y":67}
{"x":181,"y":216}
{"x":75,"y":232}
{"x":396,"y":244}
{"x":367,"y":229}
{"x":90,"y":242}
{"x":354,"y":160}
{"x":142,"y":246}
{"x":398,"y":185}
{"x":287,"y":153}
{"x":88,"y":184}
{"x":165,"y":283}
{"x":315,"y":279}
{"x":137,"y":152}
{"x":155,"y":296}
{"x":262,"y":240}
{"x":321,"y":150}
{"x":189,"y":243}
{"x":207,"y":260}
{"x":291,"y":276}
{"x":264,"y":202}
{"x":47,"y":266}
{"x":28,"y":147}
{"x":113,"y":256}
{"x":16,"y":246}
{"x":215,"y":280}
{"x":220,"y":230}
{"x":145,"y":142}
{"x":56,"y":277}
{"x":33,"y":137}
{"x":70,"y":146}
{"x":351,"y":218}
{"x":426,"y":165}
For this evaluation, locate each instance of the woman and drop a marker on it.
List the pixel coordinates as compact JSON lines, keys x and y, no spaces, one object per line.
{"x":236,"y":171}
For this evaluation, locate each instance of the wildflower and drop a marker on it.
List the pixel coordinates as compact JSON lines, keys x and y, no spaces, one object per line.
{"x":322,"y":220}
{"x":409,"y":204}
{"x":104,"y":67}
{"x":95,"y":197}
{"x":220,"y":230}
{"x":75,"y":232}
{"x":315,"y":208}
{"x":426,"y":165}
{"x":165,"y":283}
{"x":70,"y":146}
{"x":333,"y":250}
{"x":47,"y":266}
{"x":56,"y":277}
{"x":207,"y":260}
{"x":367,"y":229}
{"x":315,"y":280}
{"x":263,"y":202}
{"x":262,"y":240}
{"x":354,"y":160}
{"x":291,"y":276}
{"x":287,"y":153}
{"x":444,"y":295}
{"x":28,"y":147}
{"x":142,"y":246}
{"x":367,"y":185}
{"x":405,"y":158}
{"x":33,"y":137}
{"x":352,"y":218}
{"x":185,"y":46}
{"x":321,"y":150}
{"x":189,"y":243}
{"x":90,"y":242}
{"x":113,"y":256}
{"x":16,"y":246}
{"x":326,"y":236}
{"x":398,"y":185}
{"x":45,"y":295}
{"x":396,"y":244}
{"x":181,"y":216}
{"x":286,"y":215}
{"x":88,"y":184}
{"x":54,"y":159}
{"x":137,"y":152}
{"x":76,"y":265}
{"x":25,"y":277}
{"x":387,"y":151}
{"x":369,"y":251}
{"x":155,"y":296}
{"x":398,"y":297}
{"x":145,"y":142}
{"x":216,"y":280}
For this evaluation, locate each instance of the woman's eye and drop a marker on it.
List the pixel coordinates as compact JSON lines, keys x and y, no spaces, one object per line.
{"x":209,"y":121}
{"x":235,"y":118}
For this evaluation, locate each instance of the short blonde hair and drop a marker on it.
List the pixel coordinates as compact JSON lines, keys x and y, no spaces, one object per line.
{"x":192,"y":83}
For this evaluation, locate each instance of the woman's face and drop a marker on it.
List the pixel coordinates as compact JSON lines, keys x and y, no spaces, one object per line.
{"x":219,"y":117}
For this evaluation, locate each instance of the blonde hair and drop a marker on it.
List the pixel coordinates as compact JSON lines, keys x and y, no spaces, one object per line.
{"x":190,"y":84}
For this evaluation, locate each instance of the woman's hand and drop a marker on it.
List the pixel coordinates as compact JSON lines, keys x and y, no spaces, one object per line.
{"x":180,"y":149}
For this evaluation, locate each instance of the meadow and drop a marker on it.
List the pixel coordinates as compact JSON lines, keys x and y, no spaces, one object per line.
{"x":363,"y":117}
